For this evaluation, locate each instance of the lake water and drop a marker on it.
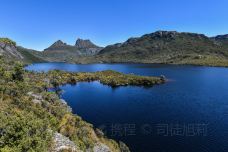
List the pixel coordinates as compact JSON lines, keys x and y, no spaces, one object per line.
{"x":187,"y":114}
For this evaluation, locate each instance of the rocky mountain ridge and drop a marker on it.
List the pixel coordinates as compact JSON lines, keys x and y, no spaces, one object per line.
{"x":80,"y":44}
{"x":170,"y":47}
{"x":63,"y":52}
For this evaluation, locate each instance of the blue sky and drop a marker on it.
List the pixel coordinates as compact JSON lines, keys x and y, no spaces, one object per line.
{"x":38,"y":23}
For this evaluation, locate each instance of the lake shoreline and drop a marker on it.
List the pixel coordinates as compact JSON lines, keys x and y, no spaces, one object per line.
{"x":55,"y":79}
{"x":147,"y":63}
{"x":185,"y":98}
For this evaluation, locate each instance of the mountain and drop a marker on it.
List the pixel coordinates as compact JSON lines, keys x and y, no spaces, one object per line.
{"x":62,"y":52}
{"x":168,"y":47}
{"x":56,"y":45}
{"x":9,"y":49}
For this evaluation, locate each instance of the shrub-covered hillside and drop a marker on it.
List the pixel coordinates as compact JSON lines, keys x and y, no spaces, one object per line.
{"x":33,"y":119}
{"x":169,"y":47}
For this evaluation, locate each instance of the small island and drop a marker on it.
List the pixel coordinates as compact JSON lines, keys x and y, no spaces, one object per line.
{"x":111,"y":78}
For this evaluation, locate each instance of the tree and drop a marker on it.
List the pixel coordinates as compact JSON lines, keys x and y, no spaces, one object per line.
{"x":18,"y":72}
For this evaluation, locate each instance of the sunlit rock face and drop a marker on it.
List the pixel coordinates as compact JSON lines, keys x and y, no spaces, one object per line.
{"x":63,"y":52}
{"x":9,"y":50}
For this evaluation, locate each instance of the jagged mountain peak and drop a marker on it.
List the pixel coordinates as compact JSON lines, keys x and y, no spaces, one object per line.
{"x":58,"y":43}
{"x":81,"y":43}
{"x":60,"y":51}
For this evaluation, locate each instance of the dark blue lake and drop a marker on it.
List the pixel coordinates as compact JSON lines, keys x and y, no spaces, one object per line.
{"x":187,"y":114}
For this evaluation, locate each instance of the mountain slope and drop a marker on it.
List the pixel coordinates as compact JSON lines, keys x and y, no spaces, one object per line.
{"x":9,"y":50}
{"x":30,"y":56}
{"x":221,"y":40}
{"x":168,"y":47}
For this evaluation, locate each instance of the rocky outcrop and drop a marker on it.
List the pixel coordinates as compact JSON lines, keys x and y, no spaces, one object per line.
{"x":9,"y":50}
{"x":36,"y":98}
{"x":62,"y":143}
{"x":69,"y":109}
{"x":101,"y":148}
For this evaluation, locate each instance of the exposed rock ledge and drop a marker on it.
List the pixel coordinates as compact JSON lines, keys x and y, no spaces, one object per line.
{"x":101,"y":148}
{"x":63,"y":143}
{"x":9,"y":50}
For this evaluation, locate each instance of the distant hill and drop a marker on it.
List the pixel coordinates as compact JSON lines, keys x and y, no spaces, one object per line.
{"x":221,"y":39}
{"x":62,"y":52}
{"x":169,"y":47}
